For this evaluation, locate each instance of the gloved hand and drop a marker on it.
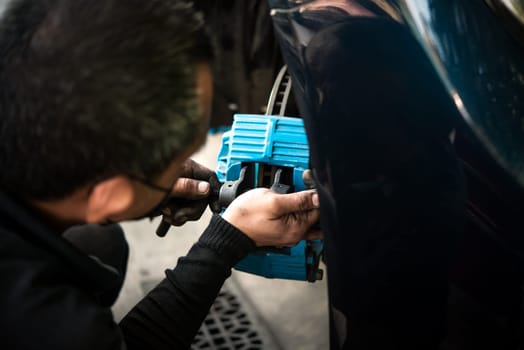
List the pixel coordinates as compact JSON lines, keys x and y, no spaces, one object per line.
{"x":196,"y":188}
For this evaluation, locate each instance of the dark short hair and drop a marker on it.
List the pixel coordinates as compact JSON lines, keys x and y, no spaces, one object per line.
{"x":95,"y":88}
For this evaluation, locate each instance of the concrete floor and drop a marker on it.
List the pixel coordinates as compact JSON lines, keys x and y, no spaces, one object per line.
{"x":295,"y":313}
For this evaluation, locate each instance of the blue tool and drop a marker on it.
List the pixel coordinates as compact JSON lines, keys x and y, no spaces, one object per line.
{"x":269,"y":151}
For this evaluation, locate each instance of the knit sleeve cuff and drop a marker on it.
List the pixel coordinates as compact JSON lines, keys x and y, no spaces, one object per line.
{"x":226,"y":240}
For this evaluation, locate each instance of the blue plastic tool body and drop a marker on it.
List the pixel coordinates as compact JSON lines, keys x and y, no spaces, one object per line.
{"x":272,"y":140}
{"x":280,"y":142}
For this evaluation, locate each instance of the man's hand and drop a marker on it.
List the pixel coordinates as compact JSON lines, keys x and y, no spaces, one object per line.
{"x":192,"y":193}
{"x":308,"y":179}
{"x":272,"y":219}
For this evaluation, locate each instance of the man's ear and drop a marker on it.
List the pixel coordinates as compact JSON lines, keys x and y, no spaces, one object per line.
{"x":109,"y":198}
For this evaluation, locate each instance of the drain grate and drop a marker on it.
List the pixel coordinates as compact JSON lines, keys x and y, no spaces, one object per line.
{"x":227,"y":327}
{"x":231,"y":324}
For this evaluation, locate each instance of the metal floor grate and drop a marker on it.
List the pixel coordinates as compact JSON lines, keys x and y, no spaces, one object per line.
{"x":227,"y":327}
{"x":231,"y":324}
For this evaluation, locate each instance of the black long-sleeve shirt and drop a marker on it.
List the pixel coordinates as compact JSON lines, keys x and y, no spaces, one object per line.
{"x":51,"y":293}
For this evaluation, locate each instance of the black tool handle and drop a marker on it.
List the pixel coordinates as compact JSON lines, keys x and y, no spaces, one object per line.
{"x":162,"y":229}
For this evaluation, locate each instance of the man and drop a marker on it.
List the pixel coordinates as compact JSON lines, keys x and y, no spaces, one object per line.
{"x":101,"y":104}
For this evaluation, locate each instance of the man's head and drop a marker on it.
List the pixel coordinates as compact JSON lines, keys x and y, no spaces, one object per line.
{"x":92,"y":91}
